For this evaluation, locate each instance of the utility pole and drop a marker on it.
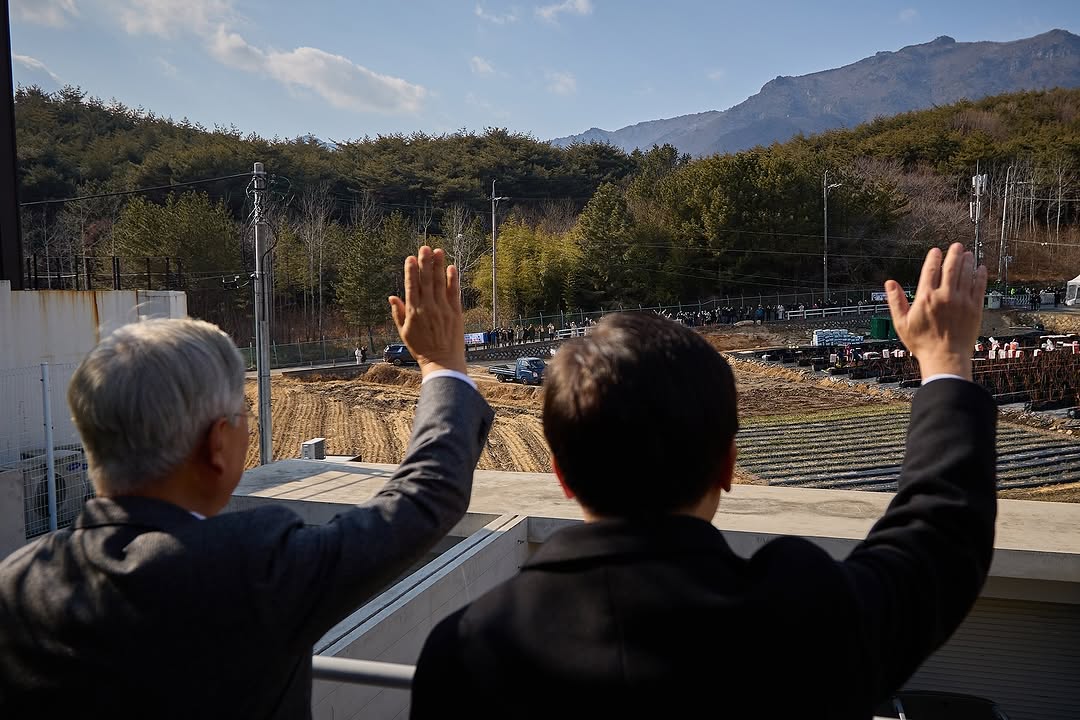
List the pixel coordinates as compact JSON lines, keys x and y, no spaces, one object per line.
{"x":978,"y":187}
{"x":1004,"y":215}
{"x":494,"y":288}
{"x":825,"y":188}
{"x":260,"y":280}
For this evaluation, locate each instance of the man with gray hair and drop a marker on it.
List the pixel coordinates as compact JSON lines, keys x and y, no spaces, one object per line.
{"x":152,"y":604}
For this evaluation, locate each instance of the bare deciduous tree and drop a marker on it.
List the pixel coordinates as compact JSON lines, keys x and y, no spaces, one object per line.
{"x":316,"y":214}
{"x":464,"y":239}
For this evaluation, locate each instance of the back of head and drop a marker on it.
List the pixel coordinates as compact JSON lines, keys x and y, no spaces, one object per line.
{"x":639,"y":415}
{"x":146,"y":395}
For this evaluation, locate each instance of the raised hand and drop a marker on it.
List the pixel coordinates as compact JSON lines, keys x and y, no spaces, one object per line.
{"x":941,"y":326}
{"x":429,"y":320}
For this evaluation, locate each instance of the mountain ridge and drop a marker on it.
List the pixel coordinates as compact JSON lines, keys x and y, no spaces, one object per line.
{"x":914,"y":77}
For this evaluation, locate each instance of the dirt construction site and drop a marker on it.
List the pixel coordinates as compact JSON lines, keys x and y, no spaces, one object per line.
{"x":797,"y":429}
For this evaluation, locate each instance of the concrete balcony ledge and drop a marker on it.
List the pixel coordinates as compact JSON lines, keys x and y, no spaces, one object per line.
{"x":1019,"y":646}
{"x":1037,"y":541}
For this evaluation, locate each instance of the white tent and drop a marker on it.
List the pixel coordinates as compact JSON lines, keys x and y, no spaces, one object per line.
{"x":1072,"y":292}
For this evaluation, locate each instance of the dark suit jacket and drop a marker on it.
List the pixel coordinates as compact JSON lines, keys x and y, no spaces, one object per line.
{"x":654,"y":619}
{"x":142,"y":610}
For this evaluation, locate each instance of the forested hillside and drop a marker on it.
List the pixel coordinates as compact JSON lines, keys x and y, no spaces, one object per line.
{"x":584,"y":227}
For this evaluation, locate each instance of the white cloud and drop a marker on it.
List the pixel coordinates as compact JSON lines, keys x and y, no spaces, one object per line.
{"x":480,"y":66}
{"x":908,"y":15}
{"x":472,"y":99}
{"x":54,"y":13}
{"x":478,"y":102}
{"x":510,"y":17}
{"x":167,"y":67}
{"x":232,"y":50}
{"x":716,"y":75}
{"x":168,"y":17}
{"x":561,"y":83}
{"x":35,"y":65}
{"x":572,"y":7}
{"x":336,"y":79}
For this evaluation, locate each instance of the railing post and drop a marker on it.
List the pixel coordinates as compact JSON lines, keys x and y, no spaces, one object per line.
{"x":50,"y":459}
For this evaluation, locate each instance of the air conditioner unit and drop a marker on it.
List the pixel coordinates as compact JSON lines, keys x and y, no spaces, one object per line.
{"x":313,"y":449}
{"x":73,"y":488}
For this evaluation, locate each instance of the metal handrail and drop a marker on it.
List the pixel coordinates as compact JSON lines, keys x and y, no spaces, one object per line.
{"x":364,"y":672}
{"x":834,"y":311}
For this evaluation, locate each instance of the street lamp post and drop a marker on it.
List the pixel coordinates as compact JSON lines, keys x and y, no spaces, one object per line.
{"x":494,"y":288}
{"x":825,"y":188}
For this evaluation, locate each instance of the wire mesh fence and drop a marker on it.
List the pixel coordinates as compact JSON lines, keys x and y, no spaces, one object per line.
{"x":332,"y":351}
{"x":39,"y":440}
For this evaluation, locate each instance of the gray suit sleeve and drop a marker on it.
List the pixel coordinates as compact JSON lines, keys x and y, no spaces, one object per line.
{"x":309,"y":578}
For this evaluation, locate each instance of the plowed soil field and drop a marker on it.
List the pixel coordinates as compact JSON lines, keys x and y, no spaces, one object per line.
{"x":371,"y":417}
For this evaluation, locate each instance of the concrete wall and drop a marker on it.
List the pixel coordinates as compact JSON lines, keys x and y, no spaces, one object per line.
{"x":61,"y":326}
{"x":57,"y":327}
{"x":393,"y":626}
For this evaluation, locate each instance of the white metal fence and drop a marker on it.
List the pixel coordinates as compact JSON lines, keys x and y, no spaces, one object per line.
{"x":38,"y":438}
{"x":836,"y":312}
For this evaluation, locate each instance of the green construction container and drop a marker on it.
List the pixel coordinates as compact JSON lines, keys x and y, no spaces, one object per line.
{"x":881,"y":328}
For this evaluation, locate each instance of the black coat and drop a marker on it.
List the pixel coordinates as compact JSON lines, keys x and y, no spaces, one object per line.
{"x":630,"y":619}
{"x":142,"y":610}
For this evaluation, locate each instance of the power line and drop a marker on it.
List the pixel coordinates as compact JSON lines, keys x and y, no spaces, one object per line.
{"x":173,"y":186}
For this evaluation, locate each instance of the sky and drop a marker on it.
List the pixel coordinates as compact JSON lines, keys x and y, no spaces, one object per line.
{"x":349,"y":69}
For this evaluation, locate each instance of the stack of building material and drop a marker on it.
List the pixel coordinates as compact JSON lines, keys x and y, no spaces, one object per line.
{"x":836,"y":337}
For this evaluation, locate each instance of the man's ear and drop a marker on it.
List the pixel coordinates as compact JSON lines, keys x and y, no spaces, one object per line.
{"x":216,"y":443}
{"x":562,"y":482}
{"x":727,"y":468}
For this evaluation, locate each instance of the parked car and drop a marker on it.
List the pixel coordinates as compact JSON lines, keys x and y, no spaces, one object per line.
{"x":527,"y":371}
{"x":398,"y":354}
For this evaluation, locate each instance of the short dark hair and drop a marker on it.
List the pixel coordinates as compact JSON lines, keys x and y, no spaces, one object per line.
{"x":639,"y":415}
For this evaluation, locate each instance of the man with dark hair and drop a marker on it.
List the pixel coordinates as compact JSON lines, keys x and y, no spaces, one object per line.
{"x":644,"y":611}
{"x":608,"y":391}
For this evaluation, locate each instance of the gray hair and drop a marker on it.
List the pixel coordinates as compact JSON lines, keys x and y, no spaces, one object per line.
{"x":143,"y":399}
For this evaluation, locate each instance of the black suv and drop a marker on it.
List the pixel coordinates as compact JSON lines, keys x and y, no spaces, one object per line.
{"x":397,"y":354}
